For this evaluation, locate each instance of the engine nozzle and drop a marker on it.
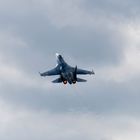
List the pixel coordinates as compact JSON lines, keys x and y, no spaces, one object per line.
{"x":65,"y":82}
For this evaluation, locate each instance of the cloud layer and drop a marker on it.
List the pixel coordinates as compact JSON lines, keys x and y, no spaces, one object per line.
{"x":90,"y":34}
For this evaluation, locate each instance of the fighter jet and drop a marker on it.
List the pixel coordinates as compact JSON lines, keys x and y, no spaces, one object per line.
{"x":67,"y":73}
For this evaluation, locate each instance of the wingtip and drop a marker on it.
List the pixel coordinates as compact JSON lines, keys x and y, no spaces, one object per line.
{"x":93,"y":72}
{"x":57,"y":54}
{"x":39,"y":73}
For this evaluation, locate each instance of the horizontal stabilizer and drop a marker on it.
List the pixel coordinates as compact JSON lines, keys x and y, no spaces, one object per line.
{"x":81,"y":80}
{"x":58,"y":80}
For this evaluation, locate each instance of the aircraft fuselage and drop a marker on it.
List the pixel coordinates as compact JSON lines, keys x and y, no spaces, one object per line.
{"x":66,"y":72}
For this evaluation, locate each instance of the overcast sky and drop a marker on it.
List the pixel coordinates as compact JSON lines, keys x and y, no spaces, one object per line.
{"x":93,"y":34}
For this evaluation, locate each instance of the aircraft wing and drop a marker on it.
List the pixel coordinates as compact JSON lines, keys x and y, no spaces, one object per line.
{"x":81,"y":71}
{"x":54,"y":71}
{"x":58,"y":80}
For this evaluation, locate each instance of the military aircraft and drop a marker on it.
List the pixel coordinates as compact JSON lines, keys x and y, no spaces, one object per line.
{"x":67,"y":73}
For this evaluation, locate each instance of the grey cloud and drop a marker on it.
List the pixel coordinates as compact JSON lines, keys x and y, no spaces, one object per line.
{"x":97,"y":45}
{"x":23,"y":124}
{"x":101,"y":47}
{"x":36,"y":39}
{"x":43,"y":125}
{"x":101,"y":98}
{"x":125,"y":10}
{"x":36,"y":30}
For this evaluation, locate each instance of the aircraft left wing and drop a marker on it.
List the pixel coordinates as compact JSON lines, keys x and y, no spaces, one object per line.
{"x":81,"y":71}
{"x":54,"y":71}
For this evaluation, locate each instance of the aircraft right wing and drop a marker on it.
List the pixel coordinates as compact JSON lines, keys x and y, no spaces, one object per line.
{"x":55,"y":71}
{"x":81,"y":71}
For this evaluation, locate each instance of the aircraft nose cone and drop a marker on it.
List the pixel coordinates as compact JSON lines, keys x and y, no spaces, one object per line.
{"x":57,"y":55}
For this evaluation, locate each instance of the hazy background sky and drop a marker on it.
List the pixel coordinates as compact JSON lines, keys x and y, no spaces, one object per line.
{"x":93,"y":34}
